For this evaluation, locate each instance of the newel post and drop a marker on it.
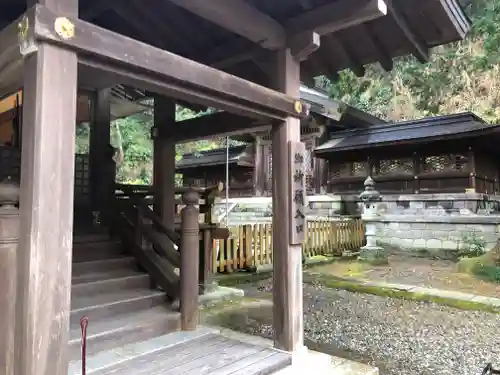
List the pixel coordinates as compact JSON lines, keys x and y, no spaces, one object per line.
{"x":370,"y":198}
{"x":9,"y":237}
{"x":190,"y":259}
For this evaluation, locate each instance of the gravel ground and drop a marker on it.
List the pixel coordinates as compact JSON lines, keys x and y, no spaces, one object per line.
{"x":400,"y":337}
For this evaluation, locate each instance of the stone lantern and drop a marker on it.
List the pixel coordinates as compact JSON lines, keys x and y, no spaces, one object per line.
{"x":370,"y":198}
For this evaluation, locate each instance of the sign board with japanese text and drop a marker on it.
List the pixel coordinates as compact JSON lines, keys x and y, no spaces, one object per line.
{"x":297,"y":193}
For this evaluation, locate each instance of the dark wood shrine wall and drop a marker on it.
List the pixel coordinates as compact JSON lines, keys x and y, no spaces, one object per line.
{"x":10,"y":167}
{"x":449,"y":171}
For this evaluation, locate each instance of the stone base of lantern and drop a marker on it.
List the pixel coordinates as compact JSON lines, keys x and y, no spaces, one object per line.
{"x":371,"y":253}
{"x":374,"y":255}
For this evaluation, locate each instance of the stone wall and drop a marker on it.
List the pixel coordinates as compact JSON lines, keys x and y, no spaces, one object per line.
{"x":435,"y":222}
{"x":436,"y":233}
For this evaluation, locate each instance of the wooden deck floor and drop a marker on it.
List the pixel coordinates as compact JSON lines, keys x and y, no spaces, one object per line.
{"x":211,"y":353}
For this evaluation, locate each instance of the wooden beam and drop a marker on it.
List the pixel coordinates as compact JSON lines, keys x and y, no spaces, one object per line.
{"x":46,"y":207}
{"x":140,"y":24}
{"x":158,"y":24}
{"x":216,"y":124}
{"x":287,"y":258}
{"x":383,"y":57}
{"x":207,"y":85}
{"x":16,"y":42}
{"x":302,"y":45}
{"x":327,"y":19}
{"x":337,"y":45}
{"x":418,"y":46}
{"x":239,"y":17}
{"x":96,"y":8}
{"x":336,"y":16}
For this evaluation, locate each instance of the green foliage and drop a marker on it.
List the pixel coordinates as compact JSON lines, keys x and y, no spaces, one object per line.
{"x":459,"y":77}
{"x":487,"y":272}
{"x":132,"y":136}
{"x":471,"y":246}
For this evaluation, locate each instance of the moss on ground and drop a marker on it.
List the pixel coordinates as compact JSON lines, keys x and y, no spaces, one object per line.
{"x":240,"y":278}
{"x":359,"y":287}
{"x":482,"y":267}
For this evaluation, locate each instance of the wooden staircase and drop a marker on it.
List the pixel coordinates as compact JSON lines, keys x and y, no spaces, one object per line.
{"x":115,"y":294}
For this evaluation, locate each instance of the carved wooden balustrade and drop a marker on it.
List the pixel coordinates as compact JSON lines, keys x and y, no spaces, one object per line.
{"x":164,"y":251}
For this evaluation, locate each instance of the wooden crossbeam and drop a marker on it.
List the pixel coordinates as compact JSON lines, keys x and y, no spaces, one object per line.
{"x":245,"y":20}
{"x":324,"y":20}
{"x":216,"y":124}
{"x":337,"y":45}
{"x":240,"y":18}
{"x":420,"y":50}
{"x":14,"y":45}
{"x":96,"y":8}
{"x":163,"y":71}
{"x":382,"y":56}
{"x":304,"y":44}
{"x":336,"y":16}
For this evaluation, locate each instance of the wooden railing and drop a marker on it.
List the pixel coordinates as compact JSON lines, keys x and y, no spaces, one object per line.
{"x":144,"y":194}
{"x":151,"y":244}
{"x":250,"y":246}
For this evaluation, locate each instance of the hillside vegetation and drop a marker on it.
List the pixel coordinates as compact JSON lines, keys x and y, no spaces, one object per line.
{"x":459,"y":77}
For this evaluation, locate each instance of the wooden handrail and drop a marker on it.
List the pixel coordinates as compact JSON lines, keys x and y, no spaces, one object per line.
{"x":158,"y":224}
{"x":159,"y":268}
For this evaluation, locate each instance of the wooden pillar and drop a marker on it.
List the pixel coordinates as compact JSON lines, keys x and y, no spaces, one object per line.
{"x":258,"y":176}
{"x":190,"y":259}
{"x":472,"y":169}
{"x":287,"y":259}
{"x":9,"y":236}
{"x":164,"y":161}
{"x":206,"y":266}
{"x":266,"y":171}
{"x":417,"y":161}
{"x":100,"y":133}
{"x":319,"y":170}
{"x":46,"y":206}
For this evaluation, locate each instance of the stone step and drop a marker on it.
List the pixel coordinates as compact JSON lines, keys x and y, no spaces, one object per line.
{"x":108,"y":282}
{"x":121,"y":262}
{"x":89,"y":251}
{"x":123,"y":329}
{"x":96,"y":236}
{"x":104,"y":305}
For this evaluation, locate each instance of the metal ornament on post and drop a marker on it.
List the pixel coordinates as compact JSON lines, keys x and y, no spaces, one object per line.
{"x":370,"y":198}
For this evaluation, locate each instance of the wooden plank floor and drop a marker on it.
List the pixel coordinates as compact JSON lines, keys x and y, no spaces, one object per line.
{"x":212,"y":354}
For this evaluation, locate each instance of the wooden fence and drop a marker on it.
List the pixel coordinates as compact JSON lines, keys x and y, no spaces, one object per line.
{"x":250,"y":246}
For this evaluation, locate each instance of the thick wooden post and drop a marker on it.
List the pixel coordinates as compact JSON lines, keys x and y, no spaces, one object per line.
{"x":9,"y":236}
{"x":100,"y":132}
{"x":164,"y":161}
{"x":287,"y":259}
{"x":190,"y":259}
{"x":46,"y":206}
